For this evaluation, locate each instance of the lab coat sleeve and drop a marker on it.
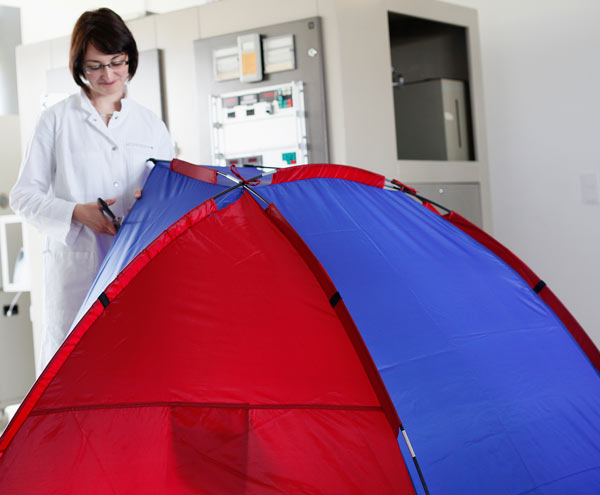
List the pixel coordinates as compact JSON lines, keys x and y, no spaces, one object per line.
{"x":32,"y":196}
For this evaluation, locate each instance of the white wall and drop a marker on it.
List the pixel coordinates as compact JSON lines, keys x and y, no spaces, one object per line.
{"x":44,"y":20}
{"x":10,"y":144}
{"x":541,"y":90}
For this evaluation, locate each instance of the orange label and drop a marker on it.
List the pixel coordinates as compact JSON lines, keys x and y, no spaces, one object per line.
{"x":248,"y":63}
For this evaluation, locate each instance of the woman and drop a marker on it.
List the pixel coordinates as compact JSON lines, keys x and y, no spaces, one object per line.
{"x":92,"y":145}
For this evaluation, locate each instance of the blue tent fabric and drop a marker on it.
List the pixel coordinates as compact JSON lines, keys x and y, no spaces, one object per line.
{"x":494,"y":392}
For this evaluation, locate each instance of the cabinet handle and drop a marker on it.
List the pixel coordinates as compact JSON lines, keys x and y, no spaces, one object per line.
{"x":458,"y":123}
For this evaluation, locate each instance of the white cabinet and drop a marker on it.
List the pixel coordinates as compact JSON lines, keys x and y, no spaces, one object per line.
{"x":13,"y":264}
{"x":17,"y":370}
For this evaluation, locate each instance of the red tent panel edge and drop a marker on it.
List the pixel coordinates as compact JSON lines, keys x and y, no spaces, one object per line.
{"x":328,"y":171}
{"x":289,"y":174}
{"x":197,"y":172}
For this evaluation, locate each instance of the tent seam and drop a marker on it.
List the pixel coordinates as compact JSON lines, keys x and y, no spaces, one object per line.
{"x":323,"y":407}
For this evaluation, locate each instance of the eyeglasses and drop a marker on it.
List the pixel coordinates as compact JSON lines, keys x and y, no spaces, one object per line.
{"x":115,"y":65}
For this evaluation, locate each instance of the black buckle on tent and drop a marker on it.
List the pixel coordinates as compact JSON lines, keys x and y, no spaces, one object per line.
{"x":539,"y":286}
{"x":335,"y":299}
{"x":103,"y":298}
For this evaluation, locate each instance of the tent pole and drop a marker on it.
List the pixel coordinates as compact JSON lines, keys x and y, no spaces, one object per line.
{"x":250,"y":190}
{"x":229,"y":189}
{"x":414,"y":458}
{"x":245,"y":186}
{"x":423,"y":199}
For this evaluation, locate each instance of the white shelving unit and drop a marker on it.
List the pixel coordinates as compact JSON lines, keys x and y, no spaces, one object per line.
{"x":13,"y":246}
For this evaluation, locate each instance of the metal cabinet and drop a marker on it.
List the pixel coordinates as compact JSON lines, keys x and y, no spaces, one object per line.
{"x":463,"y":198}
{"x":432,"y":120}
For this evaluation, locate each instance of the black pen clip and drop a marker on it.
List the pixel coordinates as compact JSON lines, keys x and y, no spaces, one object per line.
{"x":106,"y":209}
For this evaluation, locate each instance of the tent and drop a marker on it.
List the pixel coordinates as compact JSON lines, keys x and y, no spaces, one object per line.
{"x":497,"y":394}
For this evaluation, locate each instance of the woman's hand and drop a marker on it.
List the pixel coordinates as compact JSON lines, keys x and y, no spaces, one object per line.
{"x":90,"y":215}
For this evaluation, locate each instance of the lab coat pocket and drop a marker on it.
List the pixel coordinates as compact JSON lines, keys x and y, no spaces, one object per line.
{"x":139,"y":153}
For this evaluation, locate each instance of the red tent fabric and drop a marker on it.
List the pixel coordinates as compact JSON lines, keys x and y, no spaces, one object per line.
{"x":221,"y":360}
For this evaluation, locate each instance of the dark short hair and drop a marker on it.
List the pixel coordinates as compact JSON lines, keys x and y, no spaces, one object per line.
{"x":104,"y":29}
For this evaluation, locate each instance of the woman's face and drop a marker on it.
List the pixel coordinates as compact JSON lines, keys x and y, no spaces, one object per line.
{"x":104,"y":79}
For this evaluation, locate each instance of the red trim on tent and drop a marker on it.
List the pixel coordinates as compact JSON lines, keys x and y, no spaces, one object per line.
{"x":126,"y":275}
{"x":430,"y":207}
{"x":198,"y":172}
{"x":404,"y":187}
{"x":342,"y":312}
{"x":328,"y":171}
{"x":532,"y":280}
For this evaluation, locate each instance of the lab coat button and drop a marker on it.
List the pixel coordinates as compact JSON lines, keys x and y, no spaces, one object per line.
{"x":115,"y":148}
{"x":116,"y":184}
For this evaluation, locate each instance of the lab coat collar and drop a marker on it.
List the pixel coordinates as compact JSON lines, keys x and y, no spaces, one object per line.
{"x":94,"y":118}
{"x":86,"y":104}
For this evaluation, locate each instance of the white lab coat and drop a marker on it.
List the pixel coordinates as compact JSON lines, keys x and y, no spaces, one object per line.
{"x":74,"y":157}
